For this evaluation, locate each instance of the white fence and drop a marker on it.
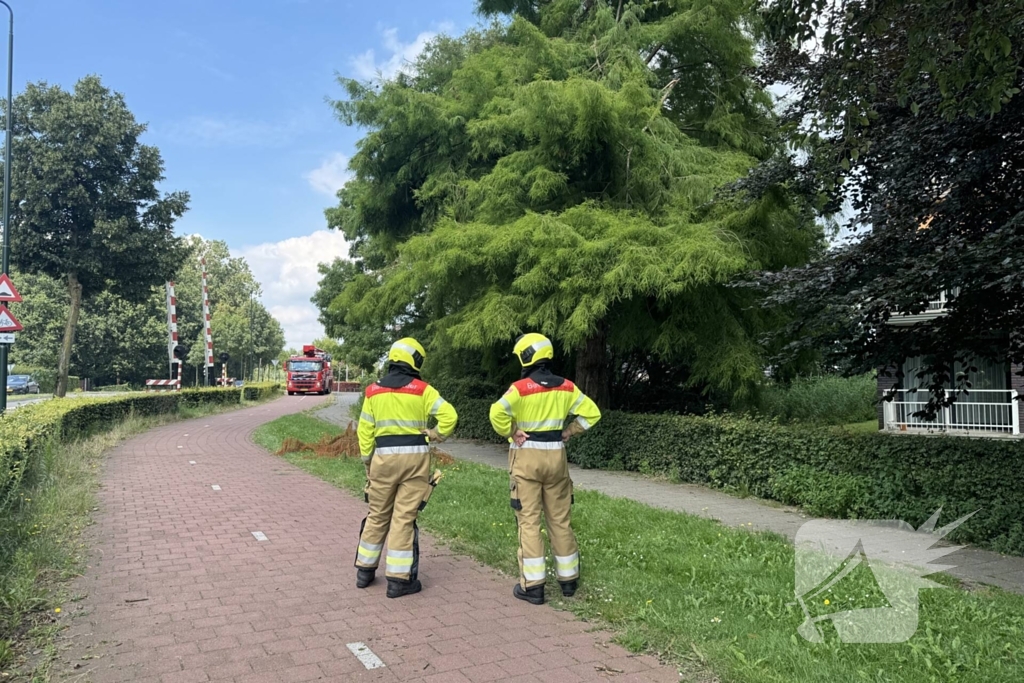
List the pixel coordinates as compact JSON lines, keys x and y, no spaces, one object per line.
{"x":982,"y":411}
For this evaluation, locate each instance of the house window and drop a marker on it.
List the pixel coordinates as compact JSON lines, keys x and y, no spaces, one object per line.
{"x":990,"y":376}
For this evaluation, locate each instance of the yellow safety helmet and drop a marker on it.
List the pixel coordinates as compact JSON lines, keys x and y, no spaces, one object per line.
{"x":408,"y":350}
{"x":533,"y":348}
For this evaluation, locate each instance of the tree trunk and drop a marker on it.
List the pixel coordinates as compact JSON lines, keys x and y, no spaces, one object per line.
{"x":75,"y":292}
{"x":592,"y":371}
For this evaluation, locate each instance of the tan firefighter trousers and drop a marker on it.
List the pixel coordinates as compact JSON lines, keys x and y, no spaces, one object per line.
{"x":396,"y":486}
{"x":540,"y":483}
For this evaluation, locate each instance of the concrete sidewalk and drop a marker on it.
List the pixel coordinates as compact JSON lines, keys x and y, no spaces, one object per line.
{"x":213,"y":560}
{"x":971,"y":564}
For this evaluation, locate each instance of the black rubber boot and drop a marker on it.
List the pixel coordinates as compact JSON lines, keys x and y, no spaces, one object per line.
{"x":364,"y":577}
{"x":568,"y":588}
{"x":534,"y":596}
{"x":397,"y":588}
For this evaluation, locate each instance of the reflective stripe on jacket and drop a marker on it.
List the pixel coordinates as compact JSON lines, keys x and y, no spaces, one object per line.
{"x":541,"y":412}
{"x":393,"y":420}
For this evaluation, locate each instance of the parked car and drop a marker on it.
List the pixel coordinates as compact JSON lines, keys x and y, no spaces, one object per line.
{"x":22,"y":384}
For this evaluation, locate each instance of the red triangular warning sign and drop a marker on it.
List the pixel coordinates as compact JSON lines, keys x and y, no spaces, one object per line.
{"x":8,"y":292}
{"x":8,"y":323}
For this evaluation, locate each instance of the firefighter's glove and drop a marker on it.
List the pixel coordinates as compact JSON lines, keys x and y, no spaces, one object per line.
{"x":433,"y":435}
{"x":574,"y":429}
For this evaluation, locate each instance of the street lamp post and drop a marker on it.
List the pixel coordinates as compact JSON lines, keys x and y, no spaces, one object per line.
{"x":5,"y":259}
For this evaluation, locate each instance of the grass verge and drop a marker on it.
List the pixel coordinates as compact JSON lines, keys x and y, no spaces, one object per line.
{"x":41,"y":545}
{"x":714,"y":600}
{"x":866,"y":427}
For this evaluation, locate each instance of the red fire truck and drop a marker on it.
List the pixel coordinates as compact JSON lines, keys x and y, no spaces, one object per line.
{"x":310,"y":373}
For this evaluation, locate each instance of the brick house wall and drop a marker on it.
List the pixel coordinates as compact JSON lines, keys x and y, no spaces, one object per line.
{"x":887,"y":383}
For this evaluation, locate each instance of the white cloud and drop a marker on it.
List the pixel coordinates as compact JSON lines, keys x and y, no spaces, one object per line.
{"x":212,"y":131}
{"x":331,"y":175}
{"x":399,"y":56}
{"x":287,"y":272}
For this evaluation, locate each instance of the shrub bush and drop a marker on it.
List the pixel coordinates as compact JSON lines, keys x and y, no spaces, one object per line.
{"x":260,"y":391}
{"x":472,"y":398}
{"x":26,"y":432}
{"x":828,"y":400}
{"x":475,"y":421}
{"x":828,"y":470}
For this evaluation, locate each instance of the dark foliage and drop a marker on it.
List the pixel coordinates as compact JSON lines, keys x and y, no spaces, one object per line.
{"x":911,"y":113}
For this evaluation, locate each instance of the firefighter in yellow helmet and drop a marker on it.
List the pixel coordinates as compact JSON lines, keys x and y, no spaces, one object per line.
{"x":394,"y":442}
{"x":532,"y":414}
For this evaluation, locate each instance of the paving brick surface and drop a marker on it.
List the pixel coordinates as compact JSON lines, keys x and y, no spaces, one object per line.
{"x":179,"y":590}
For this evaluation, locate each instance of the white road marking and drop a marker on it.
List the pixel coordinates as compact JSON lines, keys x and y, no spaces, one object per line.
{"x":216,"y":487}
{"x":365,"y":655}
{"x":260,"y":536}
{"x":191,"y":462}
{"x":180,"y":446}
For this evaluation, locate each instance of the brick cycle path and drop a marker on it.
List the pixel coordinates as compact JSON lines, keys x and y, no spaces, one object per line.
{"x":180,"y":590}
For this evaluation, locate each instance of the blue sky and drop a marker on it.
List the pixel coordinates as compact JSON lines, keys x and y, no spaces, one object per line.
{"x":234,"y":94}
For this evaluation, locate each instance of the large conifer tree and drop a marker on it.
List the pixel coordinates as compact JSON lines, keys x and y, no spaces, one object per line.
{"x":564,"y":172}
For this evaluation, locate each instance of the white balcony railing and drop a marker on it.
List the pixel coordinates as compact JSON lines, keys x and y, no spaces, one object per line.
{"x":938,"y":304}
{"x":982,"y":411}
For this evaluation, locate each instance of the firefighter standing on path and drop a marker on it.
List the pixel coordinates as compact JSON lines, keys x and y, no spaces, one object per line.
{"x":532,"y":414}
{"x":394,"y":442}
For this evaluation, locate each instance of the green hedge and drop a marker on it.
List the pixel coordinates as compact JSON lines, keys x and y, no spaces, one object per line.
{"x":26,"y":432}
{"x":472,"y":398}
{"x":474,"y":421}
{"x":829,"y":471}
{"x":260,"y":391}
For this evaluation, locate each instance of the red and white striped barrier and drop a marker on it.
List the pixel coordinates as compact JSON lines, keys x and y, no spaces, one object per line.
{"x":167,"y":384}
{"x":163,"y":384}
{"x":172,"y":320}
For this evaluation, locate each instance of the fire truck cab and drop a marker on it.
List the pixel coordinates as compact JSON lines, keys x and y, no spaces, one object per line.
{"x":310,"y":373}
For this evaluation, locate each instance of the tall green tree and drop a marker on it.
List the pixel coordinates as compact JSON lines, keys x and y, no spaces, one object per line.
{"x":43,"y":314}
{"x":911,"y":113}
{"x":122,"y":341}
{"x":565,"y":172}
{"x":249,"y":334}
{"x":85,"y":199}
{"x":230,"y":281}
{"x":361,"y":345}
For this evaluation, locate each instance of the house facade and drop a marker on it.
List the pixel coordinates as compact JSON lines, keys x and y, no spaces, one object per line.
{"x":989,"y":409}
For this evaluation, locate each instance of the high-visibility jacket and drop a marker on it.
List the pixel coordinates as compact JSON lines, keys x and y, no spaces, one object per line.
{"x":541,"y":412}
{"x":392,"y":420}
